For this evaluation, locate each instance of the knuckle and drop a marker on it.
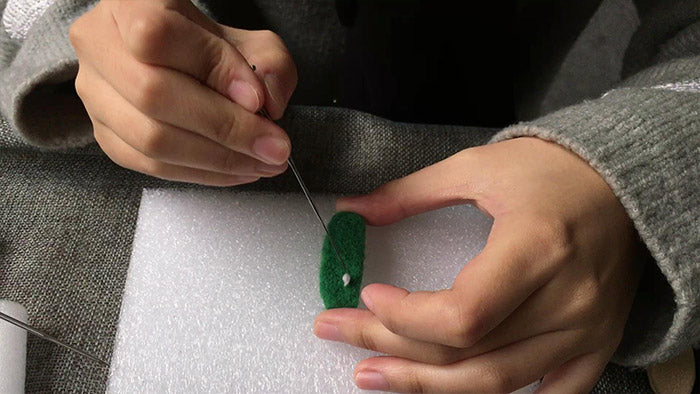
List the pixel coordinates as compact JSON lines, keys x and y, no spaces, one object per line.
{"x":151,"y":167}
{"x":495,"y":379}
{"x":391,"y":324}
{"x":230,"y":161}
{"x":103,"y":142}
{"x":79,"y":31}
{"x":387,"y":203}
{"x":147,"y":33}
{"x":463,"y":334}
{"x":153,"y":141}
{"x":463,"y":325}
{"x":279,"y":59}
{"x":444,"y":355}
{"x":230,"y":133}
{"x":366,"y":340}
{"x":213,"y":67}
{"x":270,"y":36}
{"x":80,"y":86}
{"x":556,"y":238}
{"x":75,"y":32}
{"x":148,"y":90}
{"x":415,"y":383}
{"x":97,"y":133}
{"x":584,"y":302}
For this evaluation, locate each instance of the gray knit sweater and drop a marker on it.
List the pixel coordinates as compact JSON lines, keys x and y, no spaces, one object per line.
{"x":642,"y":136}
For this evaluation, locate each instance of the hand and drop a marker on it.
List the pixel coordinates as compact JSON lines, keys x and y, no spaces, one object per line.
{"x":171,"y":93}
{"x":548,"y":296}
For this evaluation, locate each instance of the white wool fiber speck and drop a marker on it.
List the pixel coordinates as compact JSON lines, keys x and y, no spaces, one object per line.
{"x":222,"y":290}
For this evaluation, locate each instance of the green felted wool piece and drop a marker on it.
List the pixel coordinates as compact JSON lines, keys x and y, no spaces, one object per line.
{"x":348,"y":232}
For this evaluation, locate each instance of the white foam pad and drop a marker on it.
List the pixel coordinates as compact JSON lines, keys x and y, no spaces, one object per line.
{"x":222,"y":290}
{"x":13,"y":349}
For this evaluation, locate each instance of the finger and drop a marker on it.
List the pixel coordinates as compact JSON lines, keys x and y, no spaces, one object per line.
{"x":127,"y":157}
{"x":578,"y":375}
{"x":487,"y":290}
{"x":161,"y":141}
{"x":187,"y":8}
{"x":442,"y":184}
{"x":503,"y":370}
{"x":160,"y":36}
{"x":362,"y":329}
{"x":181,"y":101}
{"x":273,"y":65}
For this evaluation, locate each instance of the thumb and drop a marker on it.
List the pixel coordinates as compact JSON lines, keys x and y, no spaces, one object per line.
{"x":273,"y":65}
{"x":448,"y":182}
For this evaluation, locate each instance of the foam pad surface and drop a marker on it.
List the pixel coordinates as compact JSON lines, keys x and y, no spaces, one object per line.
{"x":223,"y":288}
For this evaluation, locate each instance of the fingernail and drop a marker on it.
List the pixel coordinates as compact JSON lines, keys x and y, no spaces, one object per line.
{"x":366,"y":299}
{"x":371,"y":380}
{"x":271,"y":150}
{"x":245,"y":179}
{"x":243,"y":94}
{"x":327,"y":331}
{"x":270,"y":169}
{"x":345,"y":203}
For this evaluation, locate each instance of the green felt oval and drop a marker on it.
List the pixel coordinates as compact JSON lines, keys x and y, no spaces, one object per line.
{"x":348,"y":232}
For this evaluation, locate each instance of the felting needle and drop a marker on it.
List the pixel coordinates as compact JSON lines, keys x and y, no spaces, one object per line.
{"x":346,"y":275}
{"x":49,"y":338}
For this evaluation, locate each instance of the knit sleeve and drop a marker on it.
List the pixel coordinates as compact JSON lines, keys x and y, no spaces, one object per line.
{"x":643,"y":138}
{"x":37,"y":72}
{"x":38,"y":67}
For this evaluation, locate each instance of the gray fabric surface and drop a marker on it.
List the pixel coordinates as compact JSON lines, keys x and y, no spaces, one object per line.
{"x":67,"y":226}
{"x":582,"y":76}
{"x":661,"y":22}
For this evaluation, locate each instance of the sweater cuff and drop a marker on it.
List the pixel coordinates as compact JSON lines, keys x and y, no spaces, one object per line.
{"x":642,"y":141}
{"x":37,"y":84}
{"x":37,"y":77}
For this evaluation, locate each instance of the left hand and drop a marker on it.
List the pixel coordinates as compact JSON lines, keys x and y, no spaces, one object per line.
{"x":548,"y":296}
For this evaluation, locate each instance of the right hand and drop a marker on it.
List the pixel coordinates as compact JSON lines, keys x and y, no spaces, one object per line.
{"x":171,"y":93}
